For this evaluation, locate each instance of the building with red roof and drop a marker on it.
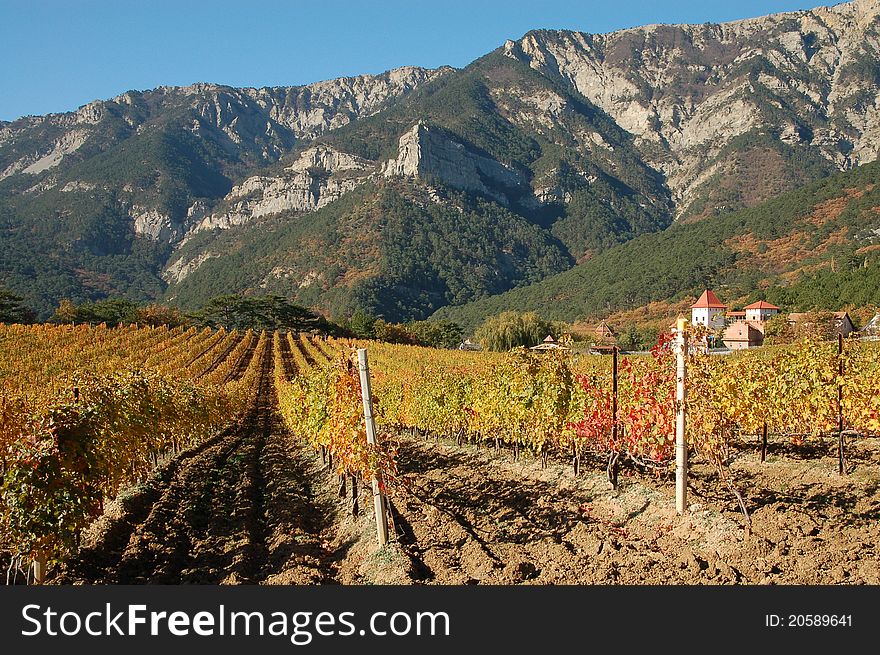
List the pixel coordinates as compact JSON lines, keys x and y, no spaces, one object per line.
{"x":742,"y":335}
{"x":761,"y":311}
{"x":746,"y":328}
{"x":742,"y":329}
{"x":708,"y":311}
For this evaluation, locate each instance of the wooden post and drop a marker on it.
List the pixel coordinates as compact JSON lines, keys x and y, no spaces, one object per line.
{"x":681,"y":471}
{"x":39,"y":569}
{"x":366,"y":395}
{"x":763,"y":443}
{"x":354,"y":496}
{"x":615,"y":466}
{"x":841,"y":462}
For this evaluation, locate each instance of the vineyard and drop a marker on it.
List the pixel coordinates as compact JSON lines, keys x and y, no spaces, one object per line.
{"x":133,"y":455}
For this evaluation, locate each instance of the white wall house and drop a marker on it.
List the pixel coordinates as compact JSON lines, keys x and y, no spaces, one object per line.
{"x":708,"y":311}
{"x":761,"y":311}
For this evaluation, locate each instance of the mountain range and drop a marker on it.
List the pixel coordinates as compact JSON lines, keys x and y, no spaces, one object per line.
{"x":561,"y":171}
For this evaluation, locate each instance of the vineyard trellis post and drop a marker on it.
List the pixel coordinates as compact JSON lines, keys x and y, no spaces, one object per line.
{"x":841,"y":462}
{"x":39,"y":565}
{"x":680,"y":417}
{"x":614,"y":469}
{"x":369,"y":421}
{"x":764,"y":442}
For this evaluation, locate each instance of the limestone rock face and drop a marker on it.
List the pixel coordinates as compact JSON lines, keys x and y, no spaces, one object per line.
{"x":153,"y":224}
{"x":182,"y":267}
{"x":687,"y":91}
{"x":239,"y":128}
{"x":269,"y":120}
{"x":320,"y":176}
{"x":427,"y":153}
{"x":313,"y":110}
{"x":266,"y":119}
{"x":68,"y":143}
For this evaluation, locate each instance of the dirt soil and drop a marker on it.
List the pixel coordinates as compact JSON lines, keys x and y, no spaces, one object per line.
{"x":472,"y":516}
{"x":256,"y":505}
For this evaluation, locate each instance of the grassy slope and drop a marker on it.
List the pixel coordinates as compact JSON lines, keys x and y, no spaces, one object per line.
{"x":782,"y":249}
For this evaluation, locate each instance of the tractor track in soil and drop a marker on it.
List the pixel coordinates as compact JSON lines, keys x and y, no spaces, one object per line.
{"x":251,"y":505}
{"x":463,"y":522}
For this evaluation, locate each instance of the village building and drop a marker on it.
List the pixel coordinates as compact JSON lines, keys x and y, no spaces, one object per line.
{"x":549,"y":343}
{"x":604,"y":339}
{"x":760,"y":311}
{"x":467,"y":344}
{"x":842,"y":322}
{"x":741,"y":335}
{"x":708,"y":311}
{"x":742,"y":328}
{"x":745,"y":329}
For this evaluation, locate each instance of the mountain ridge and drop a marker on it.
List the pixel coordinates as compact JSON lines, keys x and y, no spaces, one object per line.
{"x":661,"y":104}
{"x":583,"y":141}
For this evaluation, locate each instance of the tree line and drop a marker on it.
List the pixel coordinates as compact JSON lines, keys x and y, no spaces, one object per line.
{"x":238,"y":312}
{"x":501,"y":333}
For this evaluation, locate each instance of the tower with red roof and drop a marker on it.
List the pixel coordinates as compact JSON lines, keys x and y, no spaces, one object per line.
{"x":708,"y":311}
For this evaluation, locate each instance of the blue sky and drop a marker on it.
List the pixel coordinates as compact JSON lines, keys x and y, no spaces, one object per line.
{"x":60,"y":54}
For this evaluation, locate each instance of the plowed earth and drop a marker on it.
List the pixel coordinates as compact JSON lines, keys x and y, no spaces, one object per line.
{"x":472,"y":516}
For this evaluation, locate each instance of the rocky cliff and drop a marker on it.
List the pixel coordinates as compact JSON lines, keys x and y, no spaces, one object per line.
{"x":687,"y":92}
{"x":319,"y":176}
{"x":261,"y":124}
{"x":92,"y":201}
{"x":431,"y":154}
{"x":322,"y":174}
